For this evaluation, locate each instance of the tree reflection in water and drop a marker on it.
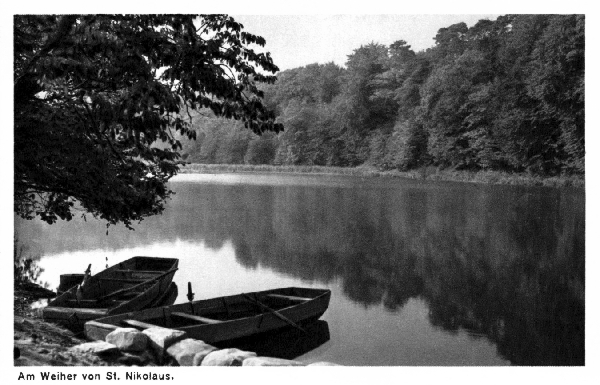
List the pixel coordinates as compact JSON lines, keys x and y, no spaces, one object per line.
{"x":502,"y":262}
{"x":287,"y":343}
{"x":505,"y":263}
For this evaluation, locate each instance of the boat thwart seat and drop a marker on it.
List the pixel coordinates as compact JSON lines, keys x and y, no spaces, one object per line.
{"x":80,"y":302}
{"x":137,"y":324}
{"x":196,"y":318}
{"x":288,"y":297}
{"x":132,"y":280}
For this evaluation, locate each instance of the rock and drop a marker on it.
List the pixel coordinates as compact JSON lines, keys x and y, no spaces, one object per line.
{"x":23,"y":361}
{"x":323,"y":363}
{"x":128,"y":339}
{"x":161,"y":338}
{"x":227,"y":357}
{"x":99,"y":348}
{"x":269,"y":361}
{"x":26,"y":322}
{"x":97,"y":331}
{"x":21,"y":326}
{"x":129,"y":359}
{"x":189,"y":352}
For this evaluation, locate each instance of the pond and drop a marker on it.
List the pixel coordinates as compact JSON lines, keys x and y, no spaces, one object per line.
{"x":421,"y":273}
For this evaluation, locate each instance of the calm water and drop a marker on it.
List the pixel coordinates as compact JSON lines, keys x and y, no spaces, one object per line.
{"x":421,"y":273}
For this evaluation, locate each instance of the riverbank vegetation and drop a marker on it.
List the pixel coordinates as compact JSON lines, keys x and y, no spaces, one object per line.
{"x":502,"y":100}
{"x":423,"y":173}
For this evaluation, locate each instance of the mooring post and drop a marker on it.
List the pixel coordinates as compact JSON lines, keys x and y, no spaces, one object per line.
{"x":190,"y":296}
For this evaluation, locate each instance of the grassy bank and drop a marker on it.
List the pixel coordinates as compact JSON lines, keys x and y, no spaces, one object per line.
{"x":424,"y":173}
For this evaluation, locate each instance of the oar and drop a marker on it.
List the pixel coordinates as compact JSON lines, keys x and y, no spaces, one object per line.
{"x":121,"y":291}
{"x":275,"y":312}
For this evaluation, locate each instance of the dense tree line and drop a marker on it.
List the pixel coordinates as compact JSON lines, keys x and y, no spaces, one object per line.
{"x":504,"y":95}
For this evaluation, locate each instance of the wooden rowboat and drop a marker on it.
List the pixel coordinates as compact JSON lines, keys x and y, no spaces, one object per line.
{"x":225,"y":318}
{"x":134,"y":284}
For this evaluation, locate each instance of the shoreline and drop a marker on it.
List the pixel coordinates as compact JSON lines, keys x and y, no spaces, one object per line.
{"x":41,"y":343}
{"x":423,"y":173}
{"x":38,"y":342}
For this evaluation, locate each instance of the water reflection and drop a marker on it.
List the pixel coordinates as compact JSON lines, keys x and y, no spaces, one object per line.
{"x":288,"y":343}
{"x":505,"y":263}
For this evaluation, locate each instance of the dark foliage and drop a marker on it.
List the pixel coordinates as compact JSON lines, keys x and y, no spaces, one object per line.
{"x":505,"y":94}
{"x":94,"y":93}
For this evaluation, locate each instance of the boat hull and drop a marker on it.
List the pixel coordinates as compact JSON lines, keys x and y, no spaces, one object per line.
{"x":225,"y":318}
{"x":73,"y":310}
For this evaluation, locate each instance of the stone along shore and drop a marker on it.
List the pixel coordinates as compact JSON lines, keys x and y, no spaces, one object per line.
{"x":163,"y":346}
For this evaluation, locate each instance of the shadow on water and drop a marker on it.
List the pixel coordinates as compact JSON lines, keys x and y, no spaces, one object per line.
{"x":288,"y":343}
{"x":506,"y":263}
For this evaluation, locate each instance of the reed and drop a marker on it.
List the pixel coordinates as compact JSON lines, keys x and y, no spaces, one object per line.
{"x":423,"y":173}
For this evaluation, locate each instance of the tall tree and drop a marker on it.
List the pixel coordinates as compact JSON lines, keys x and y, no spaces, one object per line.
{"x":528,"y":138}
{"x":451,"y":112}
{"x":261,"y":149}
{"x":557,"y":80}
{"x":450,"y":42}
{"x":365,"y":67}
{"x":92,"y":94}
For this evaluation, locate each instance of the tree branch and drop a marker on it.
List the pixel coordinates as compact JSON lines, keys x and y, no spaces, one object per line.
{"x":65,"y":24}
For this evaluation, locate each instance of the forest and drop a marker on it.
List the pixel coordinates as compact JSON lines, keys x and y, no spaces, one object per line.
{"x":503,"y":95}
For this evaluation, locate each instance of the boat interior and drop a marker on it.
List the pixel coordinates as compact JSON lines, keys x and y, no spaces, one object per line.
{"x":118,"y":284}
{"x":92,"y":303}
{"x":147,"y":263}
{"x":218,"y":310}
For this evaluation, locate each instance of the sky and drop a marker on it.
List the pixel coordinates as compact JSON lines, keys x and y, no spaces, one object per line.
{"x":298,"y":40}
